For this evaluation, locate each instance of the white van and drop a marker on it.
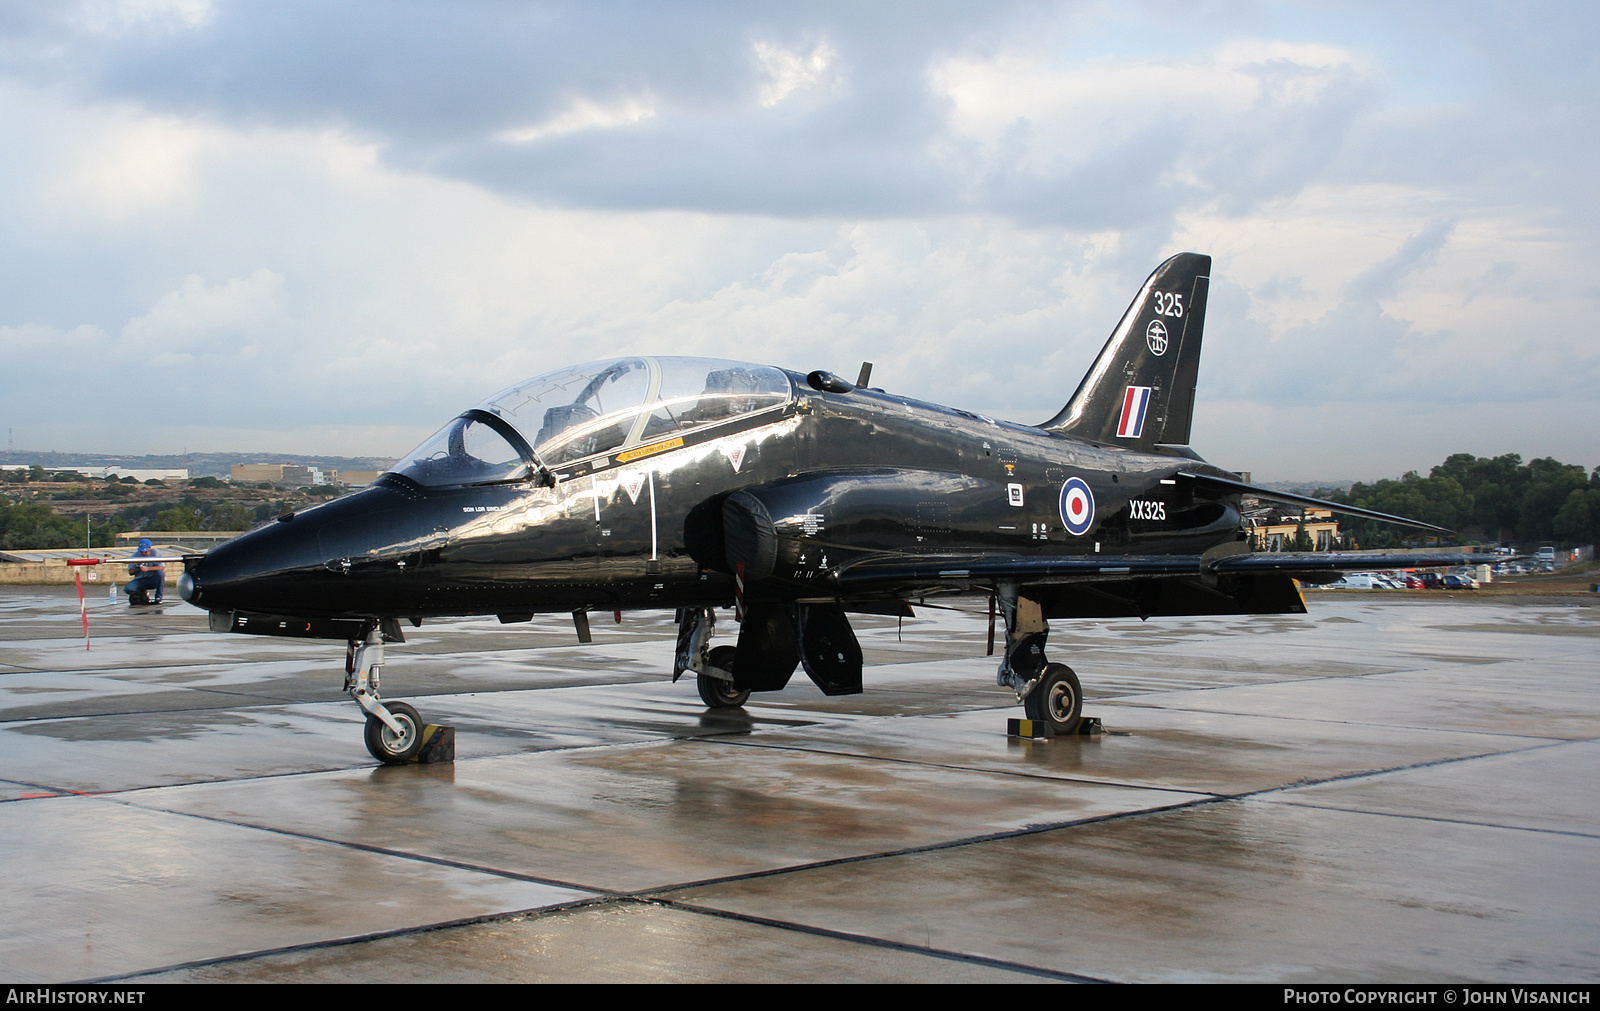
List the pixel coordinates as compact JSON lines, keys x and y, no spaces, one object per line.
{"x":1355,"y":581}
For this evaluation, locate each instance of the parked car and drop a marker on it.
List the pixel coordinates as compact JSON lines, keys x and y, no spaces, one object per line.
{"x":1354,"y":581}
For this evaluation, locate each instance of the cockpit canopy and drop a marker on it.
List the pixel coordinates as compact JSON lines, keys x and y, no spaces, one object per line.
{"x":560,"y":418}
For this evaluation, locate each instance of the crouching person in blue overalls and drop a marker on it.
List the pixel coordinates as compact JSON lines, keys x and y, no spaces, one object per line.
{"x":149,"y":579}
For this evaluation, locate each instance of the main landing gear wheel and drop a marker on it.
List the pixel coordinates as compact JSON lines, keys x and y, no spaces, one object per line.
{"x":715,"y":692}
{"x":389,"y":747}
{"x":1056,"y":699}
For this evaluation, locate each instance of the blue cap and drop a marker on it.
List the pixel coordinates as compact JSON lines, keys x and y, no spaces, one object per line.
{"x":144,"y":544}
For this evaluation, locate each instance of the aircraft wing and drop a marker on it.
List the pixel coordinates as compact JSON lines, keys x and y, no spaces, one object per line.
{"x":987,"y":568}
{"x":888,"y":570}
{"x":1310,"y":562}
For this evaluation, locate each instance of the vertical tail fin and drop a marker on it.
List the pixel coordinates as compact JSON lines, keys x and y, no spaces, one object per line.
{"x":1140,"y":391}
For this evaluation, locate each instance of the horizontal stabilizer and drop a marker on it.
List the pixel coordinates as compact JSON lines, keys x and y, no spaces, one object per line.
{"x":1239,"y":487}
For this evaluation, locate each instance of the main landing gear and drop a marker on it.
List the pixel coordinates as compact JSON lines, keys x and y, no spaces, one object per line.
{"x":1049,"y":692}
{"x":712,"y":668}
{"x":716,"y":691}
{"x":775,"y":638}
{"x":394,"y":731}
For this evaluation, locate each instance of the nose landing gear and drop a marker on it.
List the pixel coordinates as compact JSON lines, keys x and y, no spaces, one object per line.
{"x":395,"y":747}
{"x":394,"y":732}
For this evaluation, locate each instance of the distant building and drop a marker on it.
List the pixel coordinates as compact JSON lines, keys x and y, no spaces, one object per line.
{"x":299,"y":477}
{"x":292,"y":474}
{"x":1273,"y":529}
{"x":358,"y":478}
{"x":167,"y":474}
{"x":254,"y":472}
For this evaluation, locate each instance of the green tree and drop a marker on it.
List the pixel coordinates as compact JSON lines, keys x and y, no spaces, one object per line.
{"x":177,"y":518}
{"x":36,"y":525}
{"x":1578,"y":519}
{"x":229,"y":516}
{"x":1550,"y":484}
{"x":1302,"y":538}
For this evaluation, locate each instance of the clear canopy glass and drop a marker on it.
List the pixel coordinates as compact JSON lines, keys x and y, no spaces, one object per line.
{"x":466,"y":451}
{"x":601,"y":407}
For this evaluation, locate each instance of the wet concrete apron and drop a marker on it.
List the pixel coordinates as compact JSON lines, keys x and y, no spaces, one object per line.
{"x":1374,"y":791}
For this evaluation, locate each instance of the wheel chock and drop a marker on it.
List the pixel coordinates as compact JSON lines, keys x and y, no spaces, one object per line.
{"x":1033,"y":730}
{"x":1038,"y":730}
{"x":438,"y":745}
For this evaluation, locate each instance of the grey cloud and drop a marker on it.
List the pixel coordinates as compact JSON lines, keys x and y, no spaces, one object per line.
{"x":1382,"y":279}
{"x":1358,"y":353}
{"x":433,"y":84}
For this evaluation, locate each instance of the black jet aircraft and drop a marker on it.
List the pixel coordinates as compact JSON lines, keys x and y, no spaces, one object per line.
{"x":692,"y":484}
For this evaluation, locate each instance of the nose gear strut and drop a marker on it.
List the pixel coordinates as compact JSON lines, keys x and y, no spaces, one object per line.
{"x":394,"y":733}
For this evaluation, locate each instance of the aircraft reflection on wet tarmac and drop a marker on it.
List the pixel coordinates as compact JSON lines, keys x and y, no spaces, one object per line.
{"x":1375,"y":791}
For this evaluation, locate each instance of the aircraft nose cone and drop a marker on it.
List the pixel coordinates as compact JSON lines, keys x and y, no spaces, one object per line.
{"x":247,"y":572}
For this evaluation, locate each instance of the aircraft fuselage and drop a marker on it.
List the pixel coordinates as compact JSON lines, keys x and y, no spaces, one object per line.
{"x":842,"y":474}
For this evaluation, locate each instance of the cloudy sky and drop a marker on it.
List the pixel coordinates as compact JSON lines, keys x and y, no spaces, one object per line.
{"x":326,"y":227}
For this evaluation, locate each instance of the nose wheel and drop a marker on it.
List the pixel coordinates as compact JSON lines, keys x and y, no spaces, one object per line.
{"x":394,"y":731}
{"x":391,"y":746}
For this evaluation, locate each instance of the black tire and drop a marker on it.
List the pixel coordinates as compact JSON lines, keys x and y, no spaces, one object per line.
{"x":715,"y":692}
{"x":1056,"y":700}
{"x":387,"y":746}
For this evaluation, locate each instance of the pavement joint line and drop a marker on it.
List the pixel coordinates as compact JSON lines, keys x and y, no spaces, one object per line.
{"x":934,"y":847}
{"x":646,"y":893}
{"x":134,"y":667}
{"x":1442,"y":820}
{"x":163,"y":712}
{"x":113,"y":794}
{"x":1431,"y":763}
{"x":1199,"y":799}
{"x":973,"y":769}
{"x":1543,"y":743}
{"x":878,"y":942}
{"x":333,"y":770}
{"x":459,"y":865}
{"x":1345,"y":723}
{"x":340,"y":942}
{"x":54,"y":791}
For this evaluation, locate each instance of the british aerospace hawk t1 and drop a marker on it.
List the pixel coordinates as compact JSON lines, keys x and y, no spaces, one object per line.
{"x":797,"y":499}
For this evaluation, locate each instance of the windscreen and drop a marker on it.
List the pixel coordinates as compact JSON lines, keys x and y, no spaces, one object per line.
{"x":466,"y":451}
{"x":606,"y":406}
{"x":592,"y":409}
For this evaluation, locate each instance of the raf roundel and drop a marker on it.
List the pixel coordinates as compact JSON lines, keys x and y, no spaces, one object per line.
{"x":1077,"y":506}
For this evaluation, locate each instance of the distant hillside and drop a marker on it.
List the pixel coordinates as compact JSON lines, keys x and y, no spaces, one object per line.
{"x":199,"y":464}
